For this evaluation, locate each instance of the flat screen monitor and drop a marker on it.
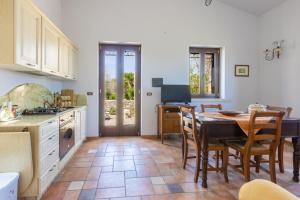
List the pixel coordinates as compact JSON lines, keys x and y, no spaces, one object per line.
{"x":175,"y":94}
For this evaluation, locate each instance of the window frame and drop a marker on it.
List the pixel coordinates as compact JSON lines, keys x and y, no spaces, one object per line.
{"x":217,"y":69}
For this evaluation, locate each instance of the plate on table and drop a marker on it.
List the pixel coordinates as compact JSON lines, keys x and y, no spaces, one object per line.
{"x":230,"y":113}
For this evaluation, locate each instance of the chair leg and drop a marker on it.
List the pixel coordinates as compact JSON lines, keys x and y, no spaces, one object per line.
{"x":185,"y":153}
{"x":242,"y":162}
{"x":236,"y":154}
{"x":162,"y":138}
{"x":272,"y":166}
{"x":225,"y":155}
{"x":217,"y":160}
{"x":257,"y":163}
{"x":197,"y":170}
{"x":246,"y":166}
{"x":280,"y":155}
{"x":182,"y":148}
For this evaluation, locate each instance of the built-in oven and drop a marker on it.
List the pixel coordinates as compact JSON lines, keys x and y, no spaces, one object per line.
{"x":66,"y":133}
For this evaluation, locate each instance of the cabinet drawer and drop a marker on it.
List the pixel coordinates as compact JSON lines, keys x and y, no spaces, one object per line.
{"x":48,"y":128}
{"x":172,"y":115}
{"x":46,"y":180}
{"x":47,"y":162}
{"x":48,"y":144}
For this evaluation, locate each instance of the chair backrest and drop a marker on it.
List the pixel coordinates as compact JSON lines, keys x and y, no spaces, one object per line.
{"x":287,"y":110}
{"x":272,"y":129}
{"x":188,"y":122}
{"x":204,"y":107}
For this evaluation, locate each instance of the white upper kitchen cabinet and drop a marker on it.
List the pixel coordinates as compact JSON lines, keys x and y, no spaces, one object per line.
{"x":29,"y":41}
{"x":20,"y":18}
{"x":73,"y":63}
{"x":64,"y":57}
{"x":50,"y":47}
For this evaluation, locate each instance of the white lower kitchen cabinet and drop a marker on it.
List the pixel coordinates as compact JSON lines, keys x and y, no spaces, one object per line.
{"x":80,"y":128}
{"x":45,"y":136}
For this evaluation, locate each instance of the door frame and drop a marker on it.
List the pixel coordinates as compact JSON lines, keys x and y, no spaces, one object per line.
{"x":101,"y":84}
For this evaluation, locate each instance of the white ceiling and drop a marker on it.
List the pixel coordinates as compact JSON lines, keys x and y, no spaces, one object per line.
{"x":257,"y":7}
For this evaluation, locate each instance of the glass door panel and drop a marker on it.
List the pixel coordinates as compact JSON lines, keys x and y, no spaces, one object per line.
{"x":129,"y":88}
{"x":110,"y":88}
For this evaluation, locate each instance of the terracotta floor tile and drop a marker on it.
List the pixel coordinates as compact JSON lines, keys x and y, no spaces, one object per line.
{"x":192,"y":187}
{"x":76,"y":185}
{"x":161,"y":189}
{"x":107,"y":169}
{"x":94,"y":173}
{"x":72,"y":195}
{"x":80,"y":164}
{"x":124,"y":165}
{"x":123,"y":157}
{"x":147,"y":170}
{"x":139,"y":187}
{"x":127,"y":198}
{"x":110,"y":192}
{"x":157,"y":180}
{"x":130,"y":174}
{"x":90,"y":184}
{"x":175,"y":188}
{"x":111,"y":179}
{"x":83,"y":159}
{"x":103,"y":161}
{"x":117,"y":153}
{"x":75,"y":174}
{"x":89,"y":194}
{"x":56,"y":191}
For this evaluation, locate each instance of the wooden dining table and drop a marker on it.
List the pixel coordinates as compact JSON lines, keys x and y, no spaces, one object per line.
{"x":212,"y":129}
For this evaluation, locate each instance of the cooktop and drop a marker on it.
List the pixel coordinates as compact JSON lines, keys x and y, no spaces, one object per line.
{"x":43,"y":111}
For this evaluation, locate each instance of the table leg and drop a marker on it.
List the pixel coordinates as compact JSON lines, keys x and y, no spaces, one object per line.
{"x":296,"y":158}
{"x":204,"y":160}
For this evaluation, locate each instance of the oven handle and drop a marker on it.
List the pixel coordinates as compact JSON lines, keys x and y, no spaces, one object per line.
{"x":66,"y":123}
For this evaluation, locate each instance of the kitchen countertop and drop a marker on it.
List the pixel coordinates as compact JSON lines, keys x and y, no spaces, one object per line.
{"x":35,"y":120}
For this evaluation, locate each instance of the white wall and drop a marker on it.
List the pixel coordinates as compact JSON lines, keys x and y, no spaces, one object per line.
{"x":9,"y":79}
{"x":165,"y":29}
{"x":52,"y":8}
{"x":279,"y":79}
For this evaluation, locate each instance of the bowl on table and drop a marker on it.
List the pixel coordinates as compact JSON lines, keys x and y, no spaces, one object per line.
{"x":230,"y":112}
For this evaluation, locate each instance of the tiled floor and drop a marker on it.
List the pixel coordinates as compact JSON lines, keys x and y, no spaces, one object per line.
{"x":134,"y":168}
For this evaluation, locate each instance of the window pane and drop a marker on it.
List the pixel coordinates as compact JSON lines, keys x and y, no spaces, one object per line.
{"x":195,"y":59}
{"x":129,"y":88}
{"x":209,"y":88}
{"x":110,"y":102}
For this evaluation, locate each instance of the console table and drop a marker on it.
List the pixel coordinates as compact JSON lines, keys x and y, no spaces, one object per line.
{"x":168,"y":119}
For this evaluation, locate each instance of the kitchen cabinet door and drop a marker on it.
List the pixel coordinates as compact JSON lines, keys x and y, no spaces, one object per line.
{"x":73,"y":62}
{"x":50,"y":38}
{"x":77,"y":126}
{"x":64,"y":57}
{"x":83,"y":121}
{"x":27,"y":35}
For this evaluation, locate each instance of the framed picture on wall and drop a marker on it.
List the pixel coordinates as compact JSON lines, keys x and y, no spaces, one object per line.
{"x":241,"y":71}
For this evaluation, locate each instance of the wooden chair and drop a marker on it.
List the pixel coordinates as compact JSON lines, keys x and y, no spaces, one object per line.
{"x":287,"y":114}
{"x":211,"y":106}
{"x":253,"y":146}
{"x":191,"y":137}
{"x":217,"y":107}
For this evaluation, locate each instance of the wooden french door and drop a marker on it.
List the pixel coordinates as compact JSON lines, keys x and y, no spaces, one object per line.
{"x":119,"y":86}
